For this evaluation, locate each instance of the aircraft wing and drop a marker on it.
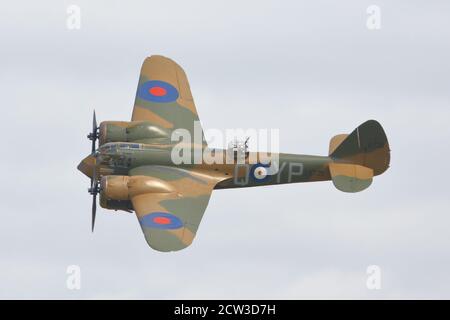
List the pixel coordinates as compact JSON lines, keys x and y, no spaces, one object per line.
{"x":163,"y":96}
{"x":170,"y":215}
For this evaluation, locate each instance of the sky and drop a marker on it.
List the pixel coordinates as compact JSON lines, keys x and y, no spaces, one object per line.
{"x":311,"y":69}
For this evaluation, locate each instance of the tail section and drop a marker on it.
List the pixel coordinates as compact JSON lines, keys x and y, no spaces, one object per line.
{"x":359,"y":156}
{"x":336,"y":141}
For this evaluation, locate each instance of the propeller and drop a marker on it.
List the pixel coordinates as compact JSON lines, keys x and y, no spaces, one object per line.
{"x":94,"y":134}
{"x":95,"y":185}
{"x":94,"y":190}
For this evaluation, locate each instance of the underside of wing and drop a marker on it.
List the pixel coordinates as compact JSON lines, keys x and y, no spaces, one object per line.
{"x":170,"y":214}
{"x":163,"y":96}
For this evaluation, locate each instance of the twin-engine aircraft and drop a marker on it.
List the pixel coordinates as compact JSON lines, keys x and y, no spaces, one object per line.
{"x":133,"y":168}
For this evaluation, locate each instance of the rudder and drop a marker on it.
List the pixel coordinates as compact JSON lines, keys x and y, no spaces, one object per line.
{"x":367,"y":146}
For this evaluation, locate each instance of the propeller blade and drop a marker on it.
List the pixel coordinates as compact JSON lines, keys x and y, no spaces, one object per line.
{"x":94,"y":132}
{"x":94,"y":190}
{"x":94,"y":210}
{"x":94,"y":122}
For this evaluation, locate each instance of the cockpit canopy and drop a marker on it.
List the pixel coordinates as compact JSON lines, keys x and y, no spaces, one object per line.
{"x":113,"y":147}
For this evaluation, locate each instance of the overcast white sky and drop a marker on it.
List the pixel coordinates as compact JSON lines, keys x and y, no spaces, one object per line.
{"x":310,"y":68}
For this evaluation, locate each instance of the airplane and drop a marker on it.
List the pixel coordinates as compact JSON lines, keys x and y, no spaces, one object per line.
{"x":133,"y":167}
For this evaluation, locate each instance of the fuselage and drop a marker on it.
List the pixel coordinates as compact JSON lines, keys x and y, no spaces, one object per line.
{"x":124,"y":158}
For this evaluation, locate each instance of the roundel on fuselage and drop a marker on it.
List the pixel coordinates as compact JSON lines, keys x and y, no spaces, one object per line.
{"x":259,"y":172}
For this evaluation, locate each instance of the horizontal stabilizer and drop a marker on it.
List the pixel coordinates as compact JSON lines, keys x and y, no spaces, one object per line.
{"x":350,"y":177}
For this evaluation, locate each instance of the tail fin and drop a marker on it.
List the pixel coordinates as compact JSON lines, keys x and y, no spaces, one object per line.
{"x":359,"y":156}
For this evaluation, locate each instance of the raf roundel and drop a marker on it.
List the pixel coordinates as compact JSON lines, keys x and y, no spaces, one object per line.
{"x":157,"y":91}
{"x":259,"y":172}
{"x":161,"y":220}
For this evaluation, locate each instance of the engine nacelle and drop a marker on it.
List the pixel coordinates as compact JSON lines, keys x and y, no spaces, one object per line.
{"x":133,"y":131}
{"x":117,"y":191}
{"x":115,"y":187}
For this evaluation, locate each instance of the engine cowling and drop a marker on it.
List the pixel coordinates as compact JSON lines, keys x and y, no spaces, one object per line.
{"x":117,"y":191}
{"x":133,"y":131}
{"x":115,"y":187}
{"x":124,"y":205}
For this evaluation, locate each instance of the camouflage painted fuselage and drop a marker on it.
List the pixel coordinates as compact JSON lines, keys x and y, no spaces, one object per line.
{"x":121,"y":159}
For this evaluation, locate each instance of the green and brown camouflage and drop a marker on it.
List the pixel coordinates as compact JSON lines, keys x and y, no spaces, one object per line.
{"x":136,"y":171}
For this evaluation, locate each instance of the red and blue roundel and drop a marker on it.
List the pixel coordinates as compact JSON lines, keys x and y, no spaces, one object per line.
{"x":157,"y":91}
{"x":259,"y":172}
{"x":161,"y":220}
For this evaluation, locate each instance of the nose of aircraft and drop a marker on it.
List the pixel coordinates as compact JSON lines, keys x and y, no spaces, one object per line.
{"x":87,"y":166}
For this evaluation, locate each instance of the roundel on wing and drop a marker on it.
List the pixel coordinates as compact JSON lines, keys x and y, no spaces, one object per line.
{"x":157,"y":91}
{"x":259,"y":172}
{"x":161,"y":220}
